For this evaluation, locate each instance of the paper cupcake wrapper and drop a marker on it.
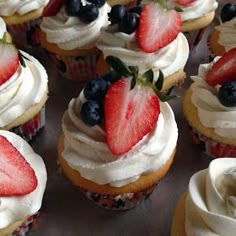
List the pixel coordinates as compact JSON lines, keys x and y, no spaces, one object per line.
{"x":212,"y":148}
{"x":118,"y":202}
{"x":28,"y":130}
{"x":25,"y":35}
{"x":75,"y":68}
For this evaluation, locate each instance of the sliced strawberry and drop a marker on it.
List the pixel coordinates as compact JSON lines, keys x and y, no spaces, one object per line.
{"x":52,"y":8}
{"x":223,"y":70}
{"x":9,"y":61}
{"x":129,"y":114}
{"x":184,"y":2}
{"x":157,"y":27}
{"x":16,"y":175}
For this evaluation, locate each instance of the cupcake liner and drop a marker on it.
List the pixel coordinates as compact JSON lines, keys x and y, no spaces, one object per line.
{"x":75,"y":68}
{"x":29,"y":129}
{"x":120,"y":201}
{"x":25,"y":35}
{"x":212,"y":148}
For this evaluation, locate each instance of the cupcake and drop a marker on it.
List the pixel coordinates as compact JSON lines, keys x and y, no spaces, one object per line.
{"x":69,"y":36}
{"x":23,"y":92}
{"x":208,"y":207}
{"x":22,"y":19}
{"x":117,"y":152}
{"x":22,"y":184}
{"x":134,"y":40}
{"x":209,"y":106}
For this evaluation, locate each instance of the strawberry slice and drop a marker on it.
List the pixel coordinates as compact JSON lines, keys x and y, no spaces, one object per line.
{"x":184,"y":2}
{"x":16,"y":175}
{"x":223,"y":70}
{"x":157,"y":27}
{"x":9,"y":61}
{"x":52,"y":8}
{"x":129,"y":114}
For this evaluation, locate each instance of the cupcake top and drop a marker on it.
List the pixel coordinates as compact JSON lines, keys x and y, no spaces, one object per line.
{"x":75,"y":30}
{"x":22,"y":88}
{"x":9,"y":8}
{"x":130,"y":138}
{"x":20,"y":199}
{"x":211,"y":203}
{"x":137,"y":44}
{"x":3,"y":28}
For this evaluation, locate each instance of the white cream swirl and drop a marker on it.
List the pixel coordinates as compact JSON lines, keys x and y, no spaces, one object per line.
{"x":3,"y":28}
{"x":168,"y":59}
{"x":211,"y":203}
{"x":86,"y":151}
{"x":11,"y":7}
{"x":227,"y":36}
{"x":211,"y":112}
{"x":17,"y":208}
{"x":24,"y":89}
{"x":70,"y":33}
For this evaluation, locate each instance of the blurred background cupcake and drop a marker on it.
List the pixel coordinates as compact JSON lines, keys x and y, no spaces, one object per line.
{"x":23,"y":92}
{"x":22,"y":19}
{"x":69,"y":36}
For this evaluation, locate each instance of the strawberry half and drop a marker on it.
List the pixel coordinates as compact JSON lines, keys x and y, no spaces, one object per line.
{"x":223,"y":70}
{"x":130,"y":114}
{"x":9,"y":61}
{"x":52,"y":8}
{"x":184,"y":2}
{"x":16,"y":175}
{"x":157,"y":27}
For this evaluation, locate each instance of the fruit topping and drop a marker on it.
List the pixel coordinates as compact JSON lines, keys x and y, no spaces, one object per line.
{"x":72,"y":7}
{"x":52,"y":8}
{"x":228,"y":12}
{"x":223,"y":70}
{"x":184,"y":2}
{"x":111,"y":76}
{"x":9,"y":61}
{"x":129,"y":23}
{"x":88,"y":13}
{"x":116,"y":14}
{"x":157,"y":27}
{"x":227,"y":94}
{"x":97,"y":3}
{"x":16,"y":176}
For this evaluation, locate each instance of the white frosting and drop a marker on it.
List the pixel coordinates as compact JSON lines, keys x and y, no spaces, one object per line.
{"x":227,"y":36}
{"x":70,"y":33}
{"x":211,"y":112}
{"x":86,"y":151}
{"x":17,"y":208}
{"x":22,"y":7}
{"x":23,"y":90}
{"x":211,"y":203}
{"x":168,"y":59}
{"x":3,"y":28}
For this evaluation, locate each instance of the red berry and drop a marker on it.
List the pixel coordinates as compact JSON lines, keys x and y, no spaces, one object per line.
{"x":9,"y":61}
{"x":16,"y":175}
{"x":52,"y":8}
{"x":184,"y":2}
{"x":129,"y":114}
{"x":157,"y":27}
{"x":223,"y":70}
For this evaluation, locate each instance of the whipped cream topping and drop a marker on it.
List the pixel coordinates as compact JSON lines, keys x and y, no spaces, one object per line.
{"x":86,"y":151}
{"x":23,"y":90}
{"x":196,"y":9}
{"x":3,"y":28}
{"x":211,"y":112}
{"x":211,"y":203}
{"x":227,"y":36}
{"x":17,"y":208}
{"x":70,"y":33}
{"x":168,"y":59}
{"x":21,"y":7}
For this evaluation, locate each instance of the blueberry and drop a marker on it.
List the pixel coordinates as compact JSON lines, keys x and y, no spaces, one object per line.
{"x":91,"y":113}
{"x":72,"y":7}
{"x":111,"y":76}
{"x":97,"y":3}
{"x":116,"y":14}
{"x":228,"y":12}
{"x":88,"y":13}
{"x":129,"y":23}
{"x":95,"y":89}
{"x":136,"y":9}
{"x":227,"y":94}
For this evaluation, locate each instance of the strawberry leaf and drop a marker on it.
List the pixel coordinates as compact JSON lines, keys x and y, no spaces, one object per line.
{"x":148,"y":75}
{"x":178,"y":9}
{"x":160,"y":81}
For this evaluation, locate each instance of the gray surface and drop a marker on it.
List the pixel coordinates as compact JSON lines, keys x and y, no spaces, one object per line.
{"x":65,"y":210}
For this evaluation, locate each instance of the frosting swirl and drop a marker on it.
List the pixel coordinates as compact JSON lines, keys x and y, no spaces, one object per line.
{"x":3,"y":28}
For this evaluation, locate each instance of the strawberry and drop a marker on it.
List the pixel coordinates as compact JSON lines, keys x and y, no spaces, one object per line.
{"x":184,"y":2}
{"x":9,"y":61}
{"x":157,"y":27}
{"x":223,"y":70}
{"x":16,"y":176}
{"x":52,"y":8}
